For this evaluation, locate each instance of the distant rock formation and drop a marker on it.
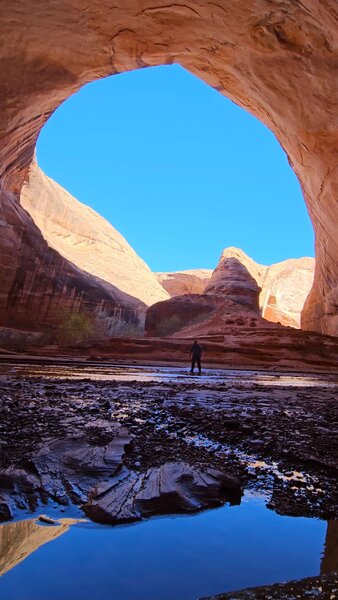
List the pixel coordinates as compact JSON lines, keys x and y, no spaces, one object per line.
{"x":232,"y":280}
{"x":179,"y":283}
{"x":278,"y":291}
{"x":285,"y":288}
{"x":81,"y":264}
{"x":197,"y":315}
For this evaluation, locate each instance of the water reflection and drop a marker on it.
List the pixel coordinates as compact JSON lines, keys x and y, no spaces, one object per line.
{"x":330,"y":556}
{"x":20,"y":539}
{"x":129,"y":373}
{"x":172,"y":558}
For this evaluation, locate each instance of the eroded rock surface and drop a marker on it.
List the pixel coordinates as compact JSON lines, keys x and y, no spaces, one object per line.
{"x":86,"y":467}
{"x":206,"y":314}
{"x":40,"y":288}
{"x":285,"y":288}
{"x":63,"y":470}
{"x":232,"y":280}
{"x":171,"y":488}
{"x":185,"y":282}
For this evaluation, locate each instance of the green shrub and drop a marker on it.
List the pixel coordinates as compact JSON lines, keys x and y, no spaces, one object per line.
{"x":75,"y":329}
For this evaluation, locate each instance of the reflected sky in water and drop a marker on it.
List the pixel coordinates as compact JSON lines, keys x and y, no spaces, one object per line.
{"x":108,"y":372}
{"x":171,"y":558}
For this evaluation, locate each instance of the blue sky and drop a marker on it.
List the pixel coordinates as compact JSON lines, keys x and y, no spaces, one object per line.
{"x":178,"y":169}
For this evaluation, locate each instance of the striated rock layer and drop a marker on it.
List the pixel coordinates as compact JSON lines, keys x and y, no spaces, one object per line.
{"x":86,"y":239}
{"x":61,"y":258}
{"x":74,"y":470}
{"x":40,"y":289}
{"x":262,"y":55}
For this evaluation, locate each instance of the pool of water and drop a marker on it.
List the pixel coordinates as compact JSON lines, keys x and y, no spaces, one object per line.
{"x":169,"y":558}
{"x":108,"y":372}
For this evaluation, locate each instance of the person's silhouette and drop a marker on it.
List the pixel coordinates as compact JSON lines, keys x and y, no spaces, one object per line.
{"x":195,"y":354}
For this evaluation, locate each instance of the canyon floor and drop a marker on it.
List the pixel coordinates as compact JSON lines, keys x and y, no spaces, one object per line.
{"x":127,"y":442}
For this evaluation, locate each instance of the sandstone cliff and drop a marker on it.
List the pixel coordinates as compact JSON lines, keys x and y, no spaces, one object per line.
{"x":285,"y":288}
{"x":40,"y":288}
{"x":86,"y":239}
{"x":179,"y":283}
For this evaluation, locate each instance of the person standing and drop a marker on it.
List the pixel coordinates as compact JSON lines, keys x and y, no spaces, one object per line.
{"x":195,"y":355}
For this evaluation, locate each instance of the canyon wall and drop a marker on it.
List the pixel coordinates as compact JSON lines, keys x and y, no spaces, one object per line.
{"x":276,"y":60}
{"x":40,"y":289}
{"x":86,"y":239}
{"x":60,"y":264}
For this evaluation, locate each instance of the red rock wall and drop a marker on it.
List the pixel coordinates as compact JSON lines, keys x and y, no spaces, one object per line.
{"x":39,"y":288}
{"x":276,"y":59}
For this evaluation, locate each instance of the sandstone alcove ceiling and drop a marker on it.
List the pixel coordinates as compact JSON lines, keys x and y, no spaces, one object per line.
{"x":263,"y":57}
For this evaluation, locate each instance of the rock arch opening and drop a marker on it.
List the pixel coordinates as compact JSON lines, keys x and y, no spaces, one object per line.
{"x":181,"y":171}
{"x":262,"y":59}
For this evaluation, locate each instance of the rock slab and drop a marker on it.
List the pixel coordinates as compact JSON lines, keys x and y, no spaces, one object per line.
{"x":171,"y":488}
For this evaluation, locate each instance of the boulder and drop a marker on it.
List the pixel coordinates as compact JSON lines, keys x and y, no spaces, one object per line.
{"x":171,"y":488}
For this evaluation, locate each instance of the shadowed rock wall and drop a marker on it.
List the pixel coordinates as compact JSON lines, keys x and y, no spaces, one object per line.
{"x":277,"y":60}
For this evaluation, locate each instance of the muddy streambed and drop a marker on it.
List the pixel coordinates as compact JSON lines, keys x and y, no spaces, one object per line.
{"x":114,"y":444}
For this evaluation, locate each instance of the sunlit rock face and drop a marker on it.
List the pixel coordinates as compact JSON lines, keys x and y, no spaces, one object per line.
{"x":70,"y":260}
{"x":179,"y":283}
{"x":262,"y":55}
{"x":86,"y":239}
{"x":232,"y":280}
{"x":285,"y":288}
